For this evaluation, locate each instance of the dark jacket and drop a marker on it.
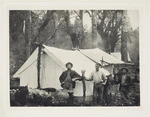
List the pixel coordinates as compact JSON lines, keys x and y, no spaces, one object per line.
{"x":128,"y":81}
{"x":73,"y":74}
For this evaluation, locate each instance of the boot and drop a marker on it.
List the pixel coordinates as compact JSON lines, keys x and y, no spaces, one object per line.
{"x":71,"y":98}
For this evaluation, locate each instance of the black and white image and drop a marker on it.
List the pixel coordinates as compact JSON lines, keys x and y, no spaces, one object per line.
{"x":74,"y":58}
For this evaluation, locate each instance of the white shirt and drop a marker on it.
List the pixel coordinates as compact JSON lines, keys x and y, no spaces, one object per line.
{"x":123,"y":79}
{"x":98,"y":76}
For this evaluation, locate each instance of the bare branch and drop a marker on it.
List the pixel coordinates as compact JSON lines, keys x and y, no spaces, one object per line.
{"x":49,"y":15}
{"x":118,"y":41}
{"x":88,"y":13}
{"x":100,"y":17}
{"x":77,"y":14}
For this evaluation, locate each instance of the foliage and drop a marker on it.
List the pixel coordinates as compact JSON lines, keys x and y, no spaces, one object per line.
{"x":39,"y":97}
{"x":65,"y":29}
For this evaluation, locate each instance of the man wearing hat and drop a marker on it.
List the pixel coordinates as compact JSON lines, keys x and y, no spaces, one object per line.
{"x":125,"y":82}
{"x":67,"y":79}
{"x":99,"y":79}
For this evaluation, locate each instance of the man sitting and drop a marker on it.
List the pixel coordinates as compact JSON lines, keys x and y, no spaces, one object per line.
{"x":67,"y":79}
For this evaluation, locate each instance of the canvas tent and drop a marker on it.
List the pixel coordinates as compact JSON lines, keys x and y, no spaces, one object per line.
{"x":99,"y":55}
{"x":108,"y":61}
{"x":53,"y":62}
{"x":118,"y":55}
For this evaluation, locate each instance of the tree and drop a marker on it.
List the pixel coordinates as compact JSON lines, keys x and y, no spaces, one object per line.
{"x":28,"y":33}
{"x":124,"y":37}
{"x":49,"y":15}
{"x":55,"y":28}
{"x":56,"y":23}
{"x":82,"y":29}
{"x":108,"y":27}
{"x":76,"y":31}
{"x":20,"y":33}
{"x":94,"y":31}
{"x":133,"y":46}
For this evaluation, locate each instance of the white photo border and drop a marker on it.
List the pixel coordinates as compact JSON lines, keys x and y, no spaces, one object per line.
{"x":8,"y":111}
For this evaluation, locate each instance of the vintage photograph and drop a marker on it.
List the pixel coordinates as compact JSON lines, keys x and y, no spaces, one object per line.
{"x":74,"y":58}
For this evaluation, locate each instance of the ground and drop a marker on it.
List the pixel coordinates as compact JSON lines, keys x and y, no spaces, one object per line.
{"x":36,"y":97}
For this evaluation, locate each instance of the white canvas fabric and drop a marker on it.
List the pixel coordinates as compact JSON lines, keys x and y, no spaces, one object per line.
{"x":79,"y":61}
{"x":50,"y":72}
{"x":98,"y":55}
{"x":53,"y":62}
{"x":78,"y":91}
{"x":118,"y":55}
{"x":31,"y":60}
{"x":28,"y":71}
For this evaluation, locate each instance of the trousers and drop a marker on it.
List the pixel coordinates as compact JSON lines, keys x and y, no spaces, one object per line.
{"x":98,"y":91}
{"x":124,"y":94}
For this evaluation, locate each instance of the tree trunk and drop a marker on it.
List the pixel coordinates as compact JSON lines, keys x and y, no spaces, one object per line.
{"x":82,"y":29}
{"x":109,"y":31}
{"x":55,"y":19}
{"x":28,"y":34}
{"x":94,"y":32}
{"x":71,"y":32}
{"x":124,"y":37}
{"x":74,"y":40}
